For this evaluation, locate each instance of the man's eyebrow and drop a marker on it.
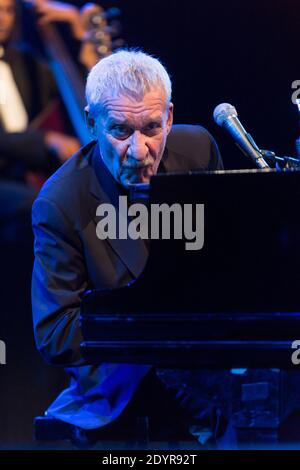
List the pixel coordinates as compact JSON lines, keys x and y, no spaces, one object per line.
{"x":152,"y":120}
{"x":156,"y":117}
{"x":157,"y":120}
{"x":117,"y":121}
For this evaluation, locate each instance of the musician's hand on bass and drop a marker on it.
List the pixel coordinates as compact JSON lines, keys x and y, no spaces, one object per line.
{"x":63,"y":145}
{"x":50,"y":11}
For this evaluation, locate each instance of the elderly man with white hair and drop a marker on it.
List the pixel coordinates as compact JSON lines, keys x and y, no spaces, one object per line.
{"x":130,"y":117}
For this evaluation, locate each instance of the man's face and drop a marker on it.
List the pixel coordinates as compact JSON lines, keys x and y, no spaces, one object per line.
{"x":132,"y":135}
{"x":7,"y":19}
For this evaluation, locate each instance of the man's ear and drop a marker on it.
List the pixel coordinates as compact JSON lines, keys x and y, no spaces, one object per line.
{"x":90,"y":121}
{"x":170,"y":117}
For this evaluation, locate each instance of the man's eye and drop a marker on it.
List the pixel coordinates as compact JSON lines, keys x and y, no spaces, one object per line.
{"x":153,"y":126}
{"x":120,"y":131}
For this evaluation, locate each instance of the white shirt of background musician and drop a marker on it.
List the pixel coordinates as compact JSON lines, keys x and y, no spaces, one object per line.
{"x":13,"y":114}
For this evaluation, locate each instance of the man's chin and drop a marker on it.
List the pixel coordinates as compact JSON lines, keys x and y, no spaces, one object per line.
{"x":136,"y":179}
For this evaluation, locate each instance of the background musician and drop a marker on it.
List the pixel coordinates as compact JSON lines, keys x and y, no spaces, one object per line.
{"x":26,"y":152}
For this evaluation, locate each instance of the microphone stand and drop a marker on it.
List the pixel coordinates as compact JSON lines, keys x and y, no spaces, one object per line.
{"x":281,"y":163}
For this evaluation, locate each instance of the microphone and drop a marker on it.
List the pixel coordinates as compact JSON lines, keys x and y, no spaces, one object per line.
{"x":225,"y":115}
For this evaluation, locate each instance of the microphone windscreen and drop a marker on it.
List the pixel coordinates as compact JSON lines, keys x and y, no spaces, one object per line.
{"x":222,"y":112}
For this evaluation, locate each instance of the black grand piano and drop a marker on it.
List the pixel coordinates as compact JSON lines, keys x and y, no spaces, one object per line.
{"x":233,"y":303}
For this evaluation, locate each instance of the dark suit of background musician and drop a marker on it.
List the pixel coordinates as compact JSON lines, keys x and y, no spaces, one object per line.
{"x":37,"y":88}
{"x":26,"y":150}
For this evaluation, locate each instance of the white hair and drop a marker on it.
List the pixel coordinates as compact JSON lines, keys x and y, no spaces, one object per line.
{"x":128,"y":72}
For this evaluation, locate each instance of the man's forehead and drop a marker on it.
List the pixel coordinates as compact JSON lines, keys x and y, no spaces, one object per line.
{"x":127,"y":101}
{"x":127,"y":116}
{"x":151,"y":105}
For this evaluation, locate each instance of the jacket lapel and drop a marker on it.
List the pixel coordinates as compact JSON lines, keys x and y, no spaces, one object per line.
{"x":105,"y":189}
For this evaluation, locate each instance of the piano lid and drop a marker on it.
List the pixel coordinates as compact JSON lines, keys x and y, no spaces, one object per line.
{"x":250,"y":258}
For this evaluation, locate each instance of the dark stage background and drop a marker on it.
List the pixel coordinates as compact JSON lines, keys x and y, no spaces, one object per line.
{"x":242,"y":52}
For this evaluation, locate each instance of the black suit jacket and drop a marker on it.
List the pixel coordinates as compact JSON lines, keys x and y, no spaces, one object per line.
{"x":70,"y":259}
{"x":37,"y":87}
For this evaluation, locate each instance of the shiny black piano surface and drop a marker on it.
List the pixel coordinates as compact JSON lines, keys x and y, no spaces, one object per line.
{"x":233,"y":303}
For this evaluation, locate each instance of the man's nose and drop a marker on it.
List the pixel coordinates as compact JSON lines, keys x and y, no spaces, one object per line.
{"x":138,"y":148}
